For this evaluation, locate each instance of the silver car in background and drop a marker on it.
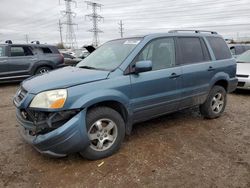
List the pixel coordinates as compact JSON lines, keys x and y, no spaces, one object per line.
{"x":243,"y":70}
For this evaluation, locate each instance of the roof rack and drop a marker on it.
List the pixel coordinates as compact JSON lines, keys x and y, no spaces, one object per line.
{"x":8,"y":42}
{"x":196,"y":31}
{"x":35,"y":42}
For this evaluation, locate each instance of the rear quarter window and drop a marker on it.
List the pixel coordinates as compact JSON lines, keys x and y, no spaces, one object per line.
{"x":219,"y":47}
{"x":46,"y":50}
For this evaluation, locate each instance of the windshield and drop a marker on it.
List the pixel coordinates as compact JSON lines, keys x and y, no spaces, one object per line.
{"x":110,"y":55}
{"x":244,"y":58}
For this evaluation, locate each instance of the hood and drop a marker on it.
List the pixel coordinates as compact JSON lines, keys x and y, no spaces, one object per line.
{"x":243,"y":68}
{"x":62,"y":78}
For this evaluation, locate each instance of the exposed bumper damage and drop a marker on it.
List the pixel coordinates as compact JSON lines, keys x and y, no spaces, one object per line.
{"x":56,"y":134}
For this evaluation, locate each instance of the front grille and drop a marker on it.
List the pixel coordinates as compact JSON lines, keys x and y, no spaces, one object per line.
{"x":241,"y":84}
{"x":44,"y":122}
{"x":242,"y":76}
{"x":21,"y":93}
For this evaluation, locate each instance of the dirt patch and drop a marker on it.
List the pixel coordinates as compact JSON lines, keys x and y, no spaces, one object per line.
{"x":177,"y":150}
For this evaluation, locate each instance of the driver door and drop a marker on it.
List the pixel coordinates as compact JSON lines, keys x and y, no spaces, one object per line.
{"x":158,"y":91}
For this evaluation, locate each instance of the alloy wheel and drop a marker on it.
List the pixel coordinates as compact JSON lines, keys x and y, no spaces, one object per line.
{"x":102,"y":134}
{"x":217,"y":103}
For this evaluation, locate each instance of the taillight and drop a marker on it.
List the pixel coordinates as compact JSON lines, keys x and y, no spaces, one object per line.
{"x":62,"y":58}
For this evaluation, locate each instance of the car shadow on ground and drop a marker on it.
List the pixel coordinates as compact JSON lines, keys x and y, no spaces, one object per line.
{"x":167,"y":121}
{"x":11,"y":84}
{"x":242,"y":92}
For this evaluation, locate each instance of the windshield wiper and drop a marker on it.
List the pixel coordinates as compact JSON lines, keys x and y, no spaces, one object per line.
{"x":241,"y":62}
{"x":87,"y":67}
{"x":93,"y":68}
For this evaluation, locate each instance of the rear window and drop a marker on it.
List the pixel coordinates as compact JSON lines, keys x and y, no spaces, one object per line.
{"x":191,"y":50}
{"x":219,"y":48}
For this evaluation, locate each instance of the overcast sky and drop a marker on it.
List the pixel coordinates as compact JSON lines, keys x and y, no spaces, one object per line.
{"x":39,"y":19}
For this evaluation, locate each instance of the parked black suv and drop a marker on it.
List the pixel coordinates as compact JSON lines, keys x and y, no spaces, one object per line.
{"x":20,"y":61}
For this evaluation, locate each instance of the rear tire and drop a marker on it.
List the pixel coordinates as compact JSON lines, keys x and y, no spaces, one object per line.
{"x":215,"y":103}
{"x":42,"y":70}
{"x":106,"y":131}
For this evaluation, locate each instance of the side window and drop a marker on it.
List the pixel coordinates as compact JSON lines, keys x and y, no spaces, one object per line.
{"x":161,"y":52}
{"x":191,"y":50}
{"x":2,"y":51}
{"x":46,"y":50}
{"x":16,"y":51}
{"x":219,"y":48}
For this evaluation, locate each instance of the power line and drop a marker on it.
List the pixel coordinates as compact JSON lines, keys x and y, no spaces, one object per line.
{"x":95,"y":18}
{"x":70,"y":33}
{"x":60,"y":30}
{"x":172,"y":3}
{"x":121,"y":29}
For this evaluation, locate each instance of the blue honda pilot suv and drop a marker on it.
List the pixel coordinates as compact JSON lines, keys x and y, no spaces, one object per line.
{"x":91,"y":107}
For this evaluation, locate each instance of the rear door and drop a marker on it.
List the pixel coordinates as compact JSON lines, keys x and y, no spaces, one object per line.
{"x":20,"y":60}
{"x":223,"y":62}
{"x":157,"y":91}
{"x":197,"y":70}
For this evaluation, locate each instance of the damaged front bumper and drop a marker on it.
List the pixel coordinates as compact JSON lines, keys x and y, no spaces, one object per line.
{"x":70,"y":137}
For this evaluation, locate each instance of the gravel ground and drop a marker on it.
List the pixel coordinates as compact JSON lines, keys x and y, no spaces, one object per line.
{"x":177,"y":150}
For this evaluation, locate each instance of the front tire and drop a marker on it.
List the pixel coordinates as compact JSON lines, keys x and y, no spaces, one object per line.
{"x":106,"y":131}
{"x":215,"y":104}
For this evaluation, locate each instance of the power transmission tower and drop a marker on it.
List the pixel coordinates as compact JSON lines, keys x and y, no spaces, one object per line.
{"x":95,"y":18}
{"x":27,"y":38}
{"x":70,"y":33}
{"x":121,"y":29}
{"x":60,"y":30}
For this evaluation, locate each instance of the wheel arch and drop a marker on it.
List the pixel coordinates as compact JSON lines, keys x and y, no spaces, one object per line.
{"x":107,"y":97}
{"x":40,"y":64}
{"x":117,"y":106}
{"x":223,"y":83}
{"x":220,"y":79}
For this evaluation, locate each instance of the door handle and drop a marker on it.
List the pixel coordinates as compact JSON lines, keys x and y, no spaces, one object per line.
{"x":210,"y":68}
{"x":174,"y":75}
{"x":34,"y":59}
{"x":3,"y":61}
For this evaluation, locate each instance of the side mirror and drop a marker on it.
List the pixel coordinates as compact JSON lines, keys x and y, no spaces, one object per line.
{"x":142,"y":66}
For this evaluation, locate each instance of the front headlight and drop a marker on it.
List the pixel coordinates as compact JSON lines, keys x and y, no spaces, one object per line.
{"x":53,"y":99}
